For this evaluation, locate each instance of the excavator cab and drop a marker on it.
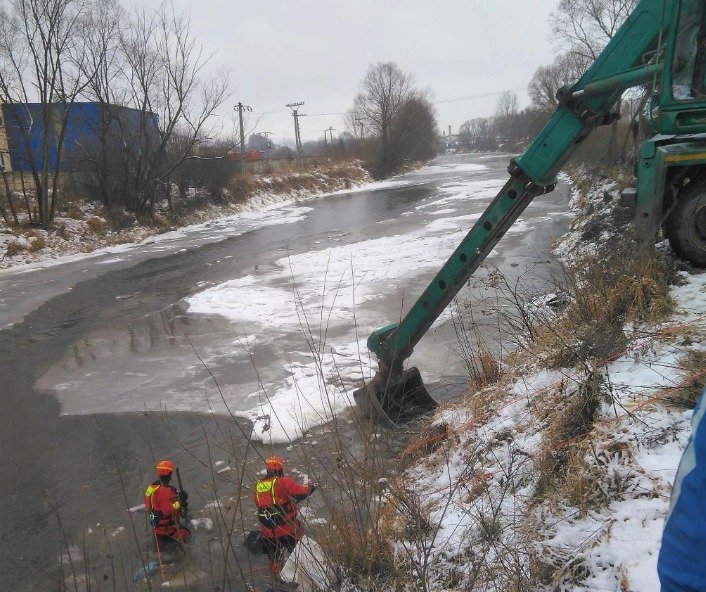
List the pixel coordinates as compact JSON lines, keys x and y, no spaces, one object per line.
{"x":684,"y":81}
{"x":661,"y":47}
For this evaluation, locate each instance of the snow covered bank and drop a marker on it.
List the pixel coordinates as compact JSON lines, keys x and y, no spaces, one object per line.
{"x":558,"y":477}
{"x":82,"y":229}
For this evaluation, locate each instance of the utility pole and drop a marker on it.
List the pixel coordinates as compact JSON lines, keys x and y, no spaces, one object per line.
{"x":240,"y":107}
{"x":299,"y":129}
{"x":297,"y":133}
{"x":330,"y":130}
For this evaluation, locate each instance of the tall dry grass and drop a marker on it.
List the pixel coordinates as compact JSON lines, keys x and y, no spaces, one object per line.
{"x":604,"y":296}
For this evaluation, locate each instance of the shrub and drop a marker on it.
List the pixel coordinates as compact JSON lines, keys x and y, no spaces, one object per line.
{"x":38,"y":243}
{"x":96,"y":224}
{"x":241,"y":186}
{"x":73,"y":210}
{"x":119,"y":219}
{"x":161,"y":222}
{"x":693,"y":367}
{"x":569,"y":417}
{"x":14,"y":247}
{"x":62,"y":231}
{"x":604,"y":296}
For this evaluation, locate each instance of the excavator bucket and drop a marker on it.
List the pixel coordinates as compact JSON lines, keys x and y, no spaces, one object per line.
{"x":391,"y":403}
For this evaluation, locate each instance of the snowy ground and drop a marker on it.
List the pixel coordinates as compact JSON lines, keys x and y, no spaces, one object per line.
{"x":480,"y":487}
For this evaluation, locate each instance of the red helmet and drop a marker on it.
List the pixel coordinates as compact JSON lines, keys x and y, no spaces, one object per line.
{"x":165,"y":467}
{"x":274,"y":463}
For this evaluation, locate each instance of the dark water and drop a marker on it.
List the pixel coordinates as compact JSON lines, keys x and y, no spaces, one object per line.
{"x":63,"y":475}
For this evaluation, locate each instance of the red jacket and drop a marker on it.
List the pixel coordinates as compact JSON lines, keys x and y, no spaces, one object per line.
{"x":163,"y":501}
{"x":287,"y":492}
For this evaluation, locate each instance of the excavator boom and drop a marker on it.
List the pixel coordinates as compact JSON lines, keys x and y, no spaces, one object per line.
{"x":629,"y":59}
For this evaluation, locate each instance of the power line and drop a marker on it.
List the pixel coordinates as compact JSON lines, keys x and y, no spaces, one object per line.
{"x":478,"y":96}
{"x":325,"y":114}
{"x":439,"y":102}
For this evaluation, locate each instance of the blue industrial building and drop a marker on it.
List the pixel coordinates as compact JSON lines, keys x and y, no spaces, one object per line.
{"x":90,"y":128}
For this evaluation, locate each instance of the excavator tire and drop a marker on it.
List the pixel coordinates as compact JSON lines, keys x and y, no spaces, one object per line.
{"x":686,"y":225}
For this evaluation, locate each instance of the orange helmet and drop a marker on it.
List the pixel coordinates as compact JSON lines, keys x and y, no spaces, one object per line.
{"x":274,"y":463}
{"x":165,"y":467}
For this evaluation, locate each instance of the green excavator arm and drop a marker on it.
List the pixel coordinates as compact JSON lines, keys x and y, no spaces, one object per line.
{"x":631,"y":58}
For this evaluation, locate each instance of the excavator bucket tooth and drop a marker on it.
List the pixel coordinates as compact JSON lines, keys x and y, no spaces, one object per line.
{"x":392,"y":403}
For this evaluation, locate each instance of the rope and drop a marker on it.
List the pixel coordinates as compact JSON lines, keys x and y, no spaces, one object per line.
{"x":159,"y":556}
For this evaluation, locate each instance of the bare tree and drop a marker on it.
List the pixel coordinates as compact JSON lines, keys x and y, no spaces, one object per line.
{"x":351,"y":121}
{"x":413,"y":133}
{"x":102,"y":156}
{"x":566,"y":69}
{"x":384,"y":90}
{"x":584,"y":27}
{"x":42,"y":60}
{"x":506,"y":122}
{"x":506,"y":104}
{"x":184,"y":99}
{"x":161,"y":75}
{"x":478,"y":134}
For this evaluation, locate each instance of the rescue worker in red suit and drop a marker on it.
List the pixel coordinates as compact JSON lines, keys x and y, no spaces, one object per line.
{"x":276,"y":498}
{"x":165,"y":506}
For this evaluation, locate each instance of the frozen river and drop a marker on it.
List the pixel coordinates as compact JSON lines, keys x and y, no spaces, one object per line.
{"x":276,"y":305}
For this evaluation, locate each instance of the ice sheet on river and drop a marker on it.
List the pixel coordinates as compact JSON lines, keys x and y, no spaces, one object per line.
{"x":299,"y":323}
{"x":326,"y":297}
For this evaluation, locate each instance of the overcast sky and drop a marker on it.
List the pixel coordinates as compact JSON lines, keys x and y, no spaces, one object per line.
{"x":317,"y":51}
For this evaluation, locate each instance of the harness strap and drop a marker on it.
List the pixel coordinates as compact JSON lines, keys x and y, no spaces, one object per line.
{"x":157,"y":518}
{"x":273,"y":514}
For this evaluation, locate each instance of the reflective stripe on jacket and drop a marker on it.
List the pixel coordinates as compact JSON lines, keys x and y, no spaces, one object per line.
{"x":278,"y":495}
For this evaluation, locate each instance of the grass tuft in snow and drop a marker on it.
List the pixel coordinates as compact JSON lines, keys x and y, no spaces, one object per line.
{"x":693,"y":367}
{"x":603,"y":297}
{"x":569,"y":419}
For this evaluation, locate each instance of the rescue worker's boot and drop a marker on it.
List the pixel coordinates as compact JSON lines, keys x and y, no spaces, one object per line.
{"x":170,"y":549}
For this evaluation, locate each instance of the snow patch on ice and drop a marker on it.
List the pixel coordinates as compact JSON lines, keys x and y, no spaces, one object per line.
{"x":325,"y":288}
